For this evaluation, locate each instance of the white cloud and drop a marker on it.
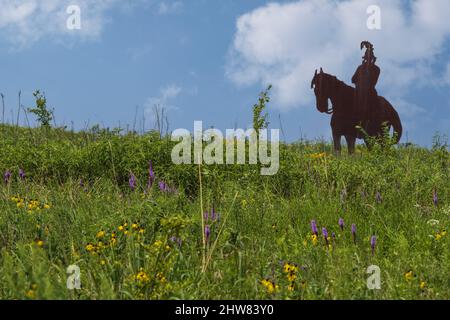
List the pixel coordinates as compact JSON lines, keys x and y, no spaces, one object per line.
{"x":24,"y":22}
{"x":283,"y":44}
{"x":170,"y":92}
{"x":166,"y":7}
{"x":165,"y":98}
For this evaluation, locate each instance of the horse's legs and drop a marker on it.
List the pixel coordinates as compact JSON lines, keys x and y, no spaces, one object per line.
{"x":337,"y":143}
{"x":350,"y":144}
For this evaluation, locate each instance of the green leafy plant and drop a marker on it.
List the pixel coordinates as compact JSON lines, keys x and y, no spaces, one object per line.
{"x":259,"y":119}
{"x":43,"y":113}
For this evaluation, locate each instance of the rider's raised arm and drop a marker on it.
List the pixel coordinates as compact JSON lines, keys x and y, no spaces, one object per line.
{"x":376,"y":74}
{"x":355,"y":77}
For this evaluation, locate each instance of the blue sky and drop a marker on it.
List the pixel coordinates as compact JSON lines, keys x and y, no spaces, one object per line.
{"x":208,"y":60}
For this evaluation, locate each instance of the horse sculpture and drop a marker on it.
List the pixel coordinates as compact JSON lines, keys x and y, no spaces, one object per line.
{"x":346,"y":118}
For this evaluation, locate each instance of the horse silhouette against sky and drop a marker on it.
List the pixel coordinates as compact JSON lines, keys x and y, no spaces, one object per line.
{"x":346,"y":114}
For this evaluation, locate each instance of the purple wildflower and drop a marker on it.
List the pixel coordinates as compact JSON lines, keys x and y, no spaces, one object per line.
{"x":22,"y":174}
{"x":206,"y":216}
{"x":314,"y":227}
{"x":333,"y":235}
{"x":378,"y":197}
{"x":132,"y":182}
{"x":435,"y":198}
{"x":373,"y":243}
{"x":151,"y":175}
{"x":207,"y":233}
{"x":325,"y":234}
{"x":341,"y":223}
{"x":164,"y":187}
{"x":176,"y":240}
{"x":354,"y":232}
{"x":213,"y":214}
{"x":7,"y":176}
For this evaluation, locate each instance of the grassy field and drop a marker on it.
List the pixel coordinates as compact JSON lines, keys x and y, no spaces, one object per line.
{"x":88,"y":199}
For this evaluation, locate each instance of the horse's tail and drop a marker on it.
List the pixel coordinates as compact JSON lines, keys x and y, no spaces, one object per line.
{"x":394,"y":119}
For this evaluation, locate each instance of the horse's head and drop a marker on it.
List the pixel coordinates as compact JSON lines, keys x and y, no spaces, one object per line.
{"x":322,"y":89}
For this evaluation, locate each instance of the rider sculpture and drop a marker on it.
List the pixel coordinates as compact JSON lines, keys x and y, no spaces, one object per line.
{"x":366,"y":96}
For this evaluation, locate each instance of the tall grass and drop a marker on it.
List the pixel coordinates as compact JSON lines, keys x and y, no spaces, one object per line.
{"x":148,"y":243}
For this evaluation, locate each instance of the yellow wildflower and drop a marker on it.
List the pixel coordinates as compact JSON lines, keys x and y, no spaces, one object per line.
{"x":303,"y":284}
{"x":39,"y":243}
{"x":409,"y":275}
{"x":440,"y":235}
{"x":318,"y":155}
{"x":314,"y":239}
{"x":30,"y":294}
{"x":288,"y":267}
{"x":161,"y":278}
{"x":291,"y":276}
{"x":158,"y":244}
{"x":100,"y":234}
{"x":142,"y":277}
{"x":270,"y":286}
{"x":90,"y":247}
{"x":423,"y":284}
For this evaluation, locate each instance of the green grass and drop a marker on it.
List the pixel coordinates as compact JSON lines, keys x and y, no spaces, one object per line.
{"x":264,"y":221}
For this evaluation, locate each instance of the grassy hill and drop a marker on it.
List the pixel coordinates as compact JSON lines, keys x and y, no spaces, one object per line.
{"x":86,"y":199}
